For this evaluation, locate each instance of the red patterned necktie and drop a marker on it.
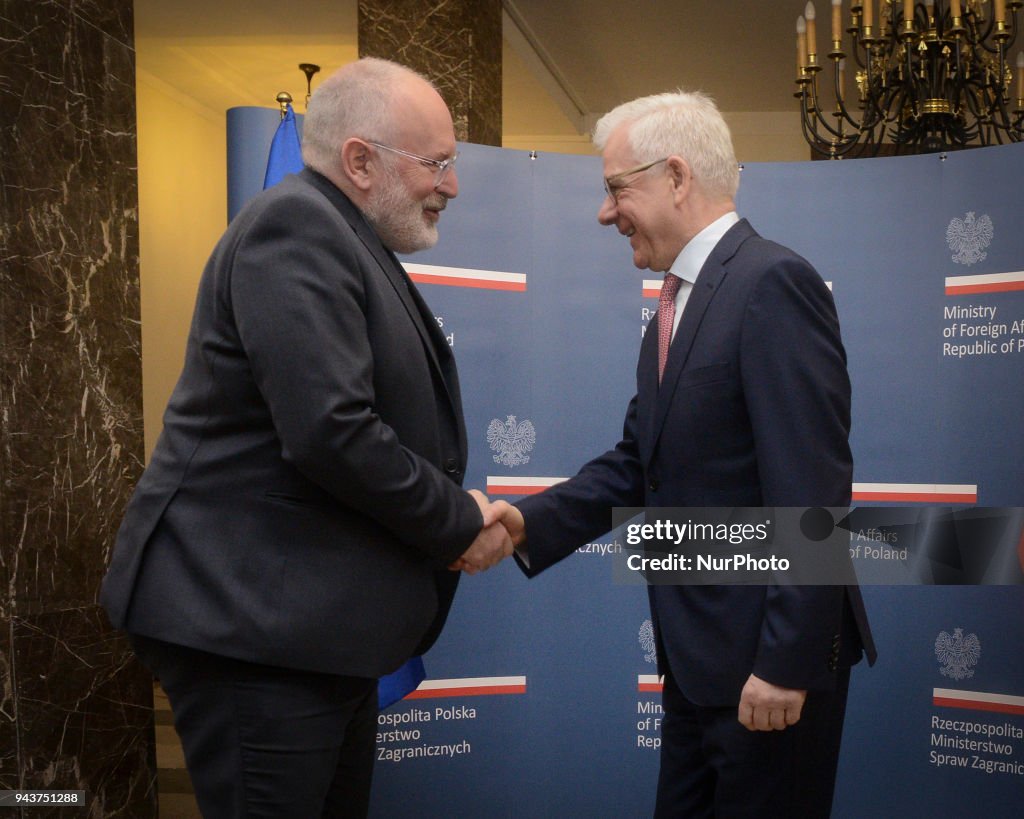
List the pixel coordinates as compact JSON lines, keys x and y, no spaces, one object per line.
{"x":666,"y":317}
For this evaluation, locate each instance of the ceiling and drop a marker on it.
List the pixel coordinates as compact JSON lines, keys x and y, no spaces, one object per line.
{"x":566,"y":62}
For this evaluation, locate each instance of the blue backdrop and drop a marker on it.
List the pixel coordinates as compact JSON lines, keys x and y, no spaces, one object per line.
{"x":539,"y":700}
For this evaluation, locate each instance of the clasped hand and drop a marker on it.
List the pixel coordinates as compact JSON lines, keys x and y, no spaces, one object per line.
{"x":494,"y":543}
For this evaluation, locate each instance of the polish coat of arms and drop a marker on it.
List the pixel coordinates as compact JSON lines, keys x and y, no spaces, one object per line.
{"x":511,"y":440}
{"x":957,"y":653}
{"x":646,"y":637}
{"x":968,"y":238}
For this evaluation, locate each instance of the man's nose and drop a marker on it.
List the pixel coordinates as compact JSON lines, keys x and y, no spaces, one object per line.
{"x":449,"y":185}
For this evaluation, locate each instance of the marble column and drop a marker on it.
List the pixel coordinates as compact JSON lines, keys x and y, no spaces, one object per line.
{"x":75,"y":709}
{"x":456,"y":43}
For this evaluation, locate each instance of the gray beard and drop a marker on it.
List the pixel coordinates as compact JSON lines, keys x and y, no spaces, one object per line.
{"x":398,"y":219}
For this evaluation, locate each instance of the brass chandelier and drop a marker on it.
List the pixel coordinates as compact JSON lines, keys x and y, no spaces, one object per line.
{"x":930,"y":76}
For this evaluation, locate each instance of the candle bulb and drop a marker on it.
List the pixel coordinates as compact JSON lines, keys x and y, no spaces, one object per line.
{"x":1000,"y":11}
{"x":801,"y":45}
{"x":908,"y":10}
{"x":868,"y":11}
{"x":812,"y":28}
{"x":1020,"y":75}
{"x":954,"y":7}
{"x":837,"y":20}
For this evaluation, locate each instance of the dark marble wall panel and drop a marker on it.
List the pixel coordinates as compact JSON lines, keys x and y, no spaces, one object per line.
{"x":85,"y":713}
{"x":71,"y":364}
{"x":456,"y":43}
{"x":112,"y":18}
{"x":8,"y":732}
{"x":75,"y":710}
{"x":484,"y":21}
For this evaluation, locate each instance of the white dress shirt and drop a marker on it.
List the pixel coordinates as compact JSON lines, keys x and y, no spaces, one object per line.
{"x":692,"y":257}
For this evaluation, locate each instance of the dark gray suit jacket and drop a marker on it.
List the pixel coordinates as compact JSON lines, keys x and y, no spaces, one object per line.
{"x":753,"y":410}
{"x":304,"y":498}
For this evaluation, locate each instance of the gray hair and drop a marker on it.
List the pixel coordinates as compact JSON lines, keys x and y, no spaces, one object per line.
{"x":355,"y":101}
{"x":683,"y":123}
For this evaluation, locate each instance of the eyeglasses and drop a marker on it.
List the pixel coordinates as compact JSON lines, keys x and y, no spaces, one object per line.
{"x":442,"y":165}
{"x":612,"y":189}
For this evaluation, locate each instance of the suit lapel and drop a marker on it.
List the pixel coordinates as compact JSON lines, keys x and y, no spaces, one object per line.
{"x":710,"y":277}
{"x":647,"y":390}
{"x":419,"y":312}
{"x":434,"y":341}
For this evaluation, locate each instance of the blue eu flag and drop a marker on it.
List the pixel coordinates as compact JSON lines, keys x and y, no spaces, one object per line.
{"x":285,"y":158}
{"x":394,"y":687}
{"x":285,"y":151}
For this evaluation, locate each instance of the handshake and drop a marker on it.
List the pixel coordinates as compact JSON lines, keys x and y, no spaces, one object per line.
{"x":503,"y":529}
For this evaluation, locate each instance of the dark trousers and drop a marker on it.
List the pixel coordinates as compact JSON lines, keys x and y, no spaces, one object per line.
{"x":711,"y":766}
{"x":262,"y":741}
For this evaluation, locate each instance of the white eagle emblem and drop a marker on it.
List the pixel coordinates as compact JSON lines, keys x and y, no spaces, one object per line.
{"x":957,"y":653}
{"x":646,"y":637}
{"x":968,"y":238}
{"x":511,"y":440}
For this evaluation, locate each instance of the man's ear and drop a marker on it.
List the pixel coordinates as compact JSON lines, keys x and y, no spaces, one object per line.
{"x":355,"y":162}
{"x":680,"y":175}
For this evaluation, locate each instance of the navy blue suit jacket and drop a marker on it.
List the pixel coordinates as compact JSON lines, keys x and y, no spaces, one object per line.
{"x":753,"y":410}
{"x":303,"y":500}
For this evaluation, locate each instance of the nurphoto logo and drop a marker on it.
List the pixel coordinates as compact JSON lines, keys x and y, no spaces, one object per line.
{"x":511,"y":441}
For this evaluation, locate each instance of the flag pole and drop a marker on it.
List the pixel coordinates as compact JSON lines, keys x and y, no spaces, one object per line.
{"x":284,"y":99}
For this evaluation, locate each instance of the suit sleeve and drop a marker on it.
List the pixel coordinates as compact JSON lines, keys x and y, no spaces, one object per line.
{"x":570,"y":514}
{"x":797,"y":390}
{"x":297,"y":296}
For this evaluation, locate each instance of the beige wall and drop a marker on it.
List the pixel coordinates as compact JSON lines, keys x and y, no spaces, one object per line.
{"x":762,"y":136}
{"x":182,"y":212}
{"x":542,"y":126}
{"x":767,"y":136}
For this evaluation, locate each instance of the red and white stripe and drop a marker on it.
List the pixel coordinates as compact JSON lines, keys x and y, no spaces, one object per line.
{"x":978,"y":701}
{"x":985,"y":283}
{"x":893,"y":492}
{"x":649,"y":683}
{"x":519,"y":484}
{"x":916,"y":492}
{"x":468,"y":687}
{"x":466,"y":277}
{"x":652,"y":288}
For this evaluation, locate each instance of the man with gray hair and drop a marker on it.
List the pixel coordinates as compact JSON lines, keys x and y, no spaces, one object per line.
{"x":290,"y":540}
{"x":743,"y":400}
